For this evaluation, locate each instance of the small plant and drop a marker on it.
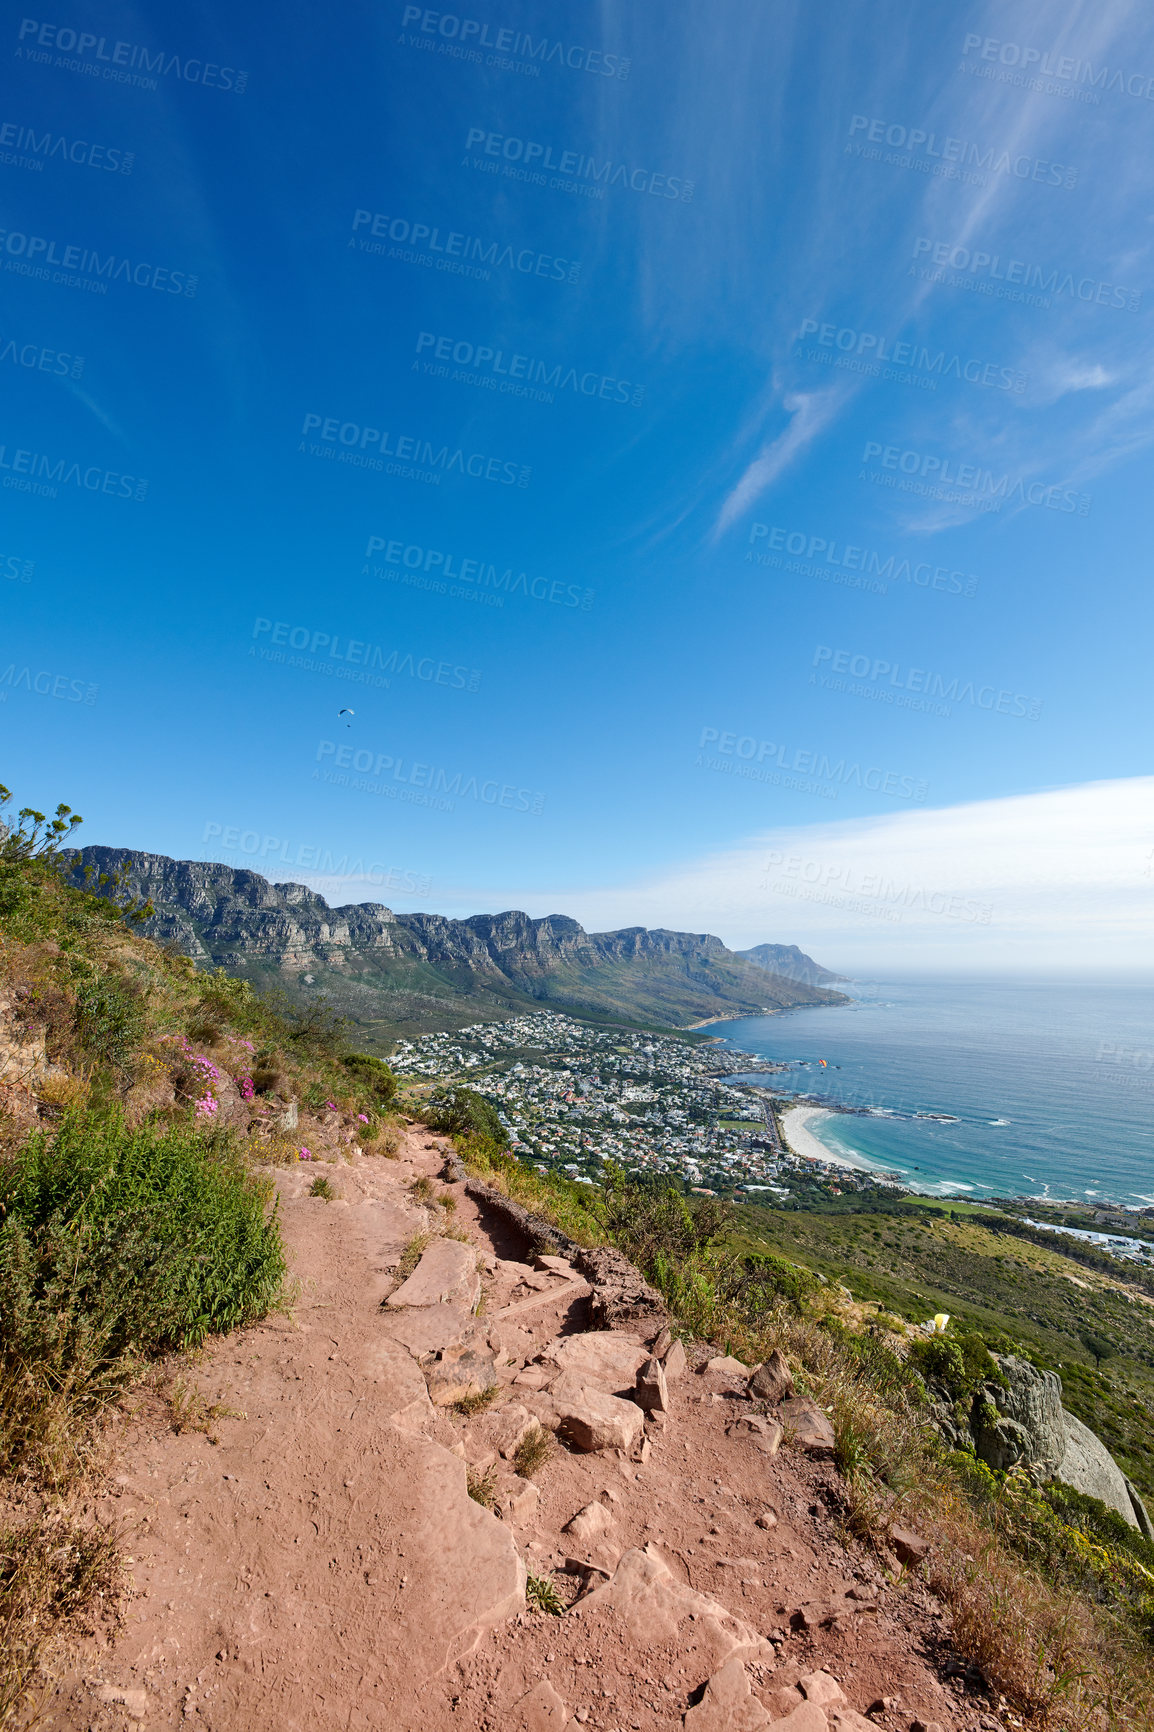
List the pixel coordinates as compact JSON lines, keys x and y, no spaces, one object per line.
{"x":482,"y":1487}
{"x":422,"y":1190}
{"x":189,"y":1410}
{"x":321,"y":1187}
{"x":533,"y":1451}
{"x":542,"y":1596}
{"x":477,"y":1401}
{"x":448,"y":1202}
{"x":411,"y":1256}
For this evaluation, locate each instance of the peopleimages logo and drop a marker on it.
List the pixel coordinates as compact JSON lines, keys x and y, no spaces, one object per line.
{"x":358,"y":654}
{"x":952,"y":155}
{"x":46,"y":685}
{"x":828,"y":880}
{"x":442,"y":568}
{"x":421,"y":784}
{"x":972,"y":480}
{"x":34,"y":472}
{"x":313,"y":857}
{"x":1064,"y":67}
{"x":827,"y":551}
{"x":878,"y":350}
{"x":36,"y":148}
{"x":31,"y":255}
{"x":119,"y":62}
{"x":472,"y":34}
{"x":351,"y":442}
{"x":513,"y":374}
{"x":888,"y":677}
{"x":37,"y":359}
{"x":420,"y":243}
{"x":807,"y":762}
{"x":991,"y":268}
{"x":575,"y":165}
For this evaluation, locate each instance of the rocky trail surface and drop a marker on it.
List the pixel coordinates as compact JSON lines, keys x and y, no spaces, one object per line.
{"x":312,"y":1560}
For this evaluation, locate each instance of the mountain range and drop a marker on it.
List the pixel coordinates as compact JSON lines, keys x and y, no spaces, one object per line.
{"x":400,"y":975}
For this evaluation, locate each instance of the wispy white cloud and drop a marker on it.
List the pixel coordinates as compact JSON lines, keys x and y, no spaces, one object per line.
{"x":1062,"y":879}
{"x":810,"y":414}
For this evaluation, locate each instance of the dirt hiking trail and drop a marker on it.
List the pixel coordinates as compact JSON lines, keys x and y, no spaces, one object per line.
{"x":322,"y":1566}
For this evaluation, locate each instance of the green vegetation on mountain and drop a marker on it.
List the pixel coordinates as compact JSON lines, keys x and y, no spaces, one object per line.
{"x":1023,"y":1294}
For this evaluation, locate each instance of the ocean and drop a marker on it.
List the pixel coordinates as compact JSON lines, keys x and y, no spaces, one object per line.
{"x":1044,"y":1088}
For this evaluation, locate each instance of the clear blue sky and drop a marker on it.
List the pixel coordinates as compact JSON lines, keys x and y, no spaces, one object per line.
{"x":803,"y":313}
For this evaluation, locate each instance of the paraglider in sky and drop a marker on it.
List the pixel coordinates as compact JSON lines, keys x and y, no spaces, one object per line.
{"x":824,"y":1063}
{"x":347,"y":713}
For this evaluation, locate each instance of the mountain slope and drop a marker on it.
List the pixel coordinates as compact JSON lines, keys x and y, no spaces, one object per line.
{"x":408,"y":973}
{"x":789,"y":961}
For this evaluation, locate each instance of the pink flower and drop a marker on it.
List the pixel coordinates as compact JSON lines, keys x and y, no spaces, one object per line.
{"x":305,"y":1156}
{"x":364,"y":1118}
{"x":246,"y":1088}
{"x":332,"y":1105}
{"x":205,"y":1106}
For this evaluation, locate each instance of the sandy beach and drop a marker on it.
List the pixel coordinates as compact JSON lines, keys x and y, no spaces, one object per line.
{"x":795,"y":1122}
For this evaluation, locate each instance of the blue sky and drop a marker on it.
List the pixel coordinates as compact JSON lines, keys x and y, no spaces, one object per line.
{"x":837,"y":516}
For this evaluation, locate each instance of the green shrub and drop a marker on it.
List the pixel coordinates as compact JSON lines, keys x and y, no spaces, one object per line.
{"x":110,"y":1020}
{"x":462,"y":1112}
{"x":374,"y":1074}
{"x":116,"y":1244}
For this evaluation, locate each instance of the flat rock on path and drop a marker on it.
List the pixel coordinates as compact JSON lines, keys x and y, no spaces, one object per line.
{"x":604,"y":1359}
{"x":447,"y":1271}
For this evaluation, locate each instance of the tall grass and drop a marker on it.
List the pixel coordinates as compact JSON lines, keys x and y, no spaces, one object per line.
{"x":117,"y":1244}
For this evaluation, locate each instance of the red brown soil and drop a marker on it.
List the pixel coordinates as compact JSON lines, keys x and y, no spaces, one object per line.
{"x":313,"y":1563}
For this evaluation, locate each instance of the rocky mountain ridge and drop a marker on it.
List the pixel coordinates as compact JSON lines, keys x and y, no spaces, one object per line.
{"x":788,"y":960}
{"x":397,"y":974}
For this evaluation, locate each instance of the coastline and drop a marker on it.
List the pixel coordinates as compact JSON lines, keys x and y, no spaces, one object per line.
{"x":795,"y":1122}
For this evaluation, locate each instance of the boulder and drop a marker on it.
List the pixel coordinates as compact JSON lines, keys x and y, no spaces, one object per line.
{"x":589,"y":1523}
{"x":622,"y":1298}
{"x":728,"y":1704}
{"x":652,"y":1392}
{"x":453,"y":1377}
{"x":819,"y":1687}
{"x":662,"y":1342}
{"x":675,"y":1362}
{"x":1088,"y":1466}
{"x":767,"y":1432}
{"x":726,"y":1366}
{"x":1139,"y":1508}
{"x":521,"y":1501}
{"x":810,"y":1426}
{"x":603,"y":1359}
{"x":446,"y":1272}
{"x":512,"y":1346}
{"x":1030,"y":1430}
{"x":553,"y":1265}
{"x":909,"y":1547}
{"x":593,"y":1421}
{"x":772,"y":1381}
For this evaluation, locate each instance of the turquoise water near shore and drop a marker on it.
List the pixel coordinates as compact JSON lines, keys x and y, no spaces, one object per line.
{"x":1045,"y":1087}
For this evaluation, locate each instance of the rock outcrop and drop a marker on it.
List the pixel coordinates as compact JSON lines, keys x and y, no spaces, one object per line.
{"x":405,"y":969}
{"x":1032,"y":1430}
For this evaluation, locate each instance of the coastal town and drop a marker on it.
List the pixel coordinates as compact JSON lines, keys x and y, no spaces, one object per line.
{"x":574,"y":1098}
